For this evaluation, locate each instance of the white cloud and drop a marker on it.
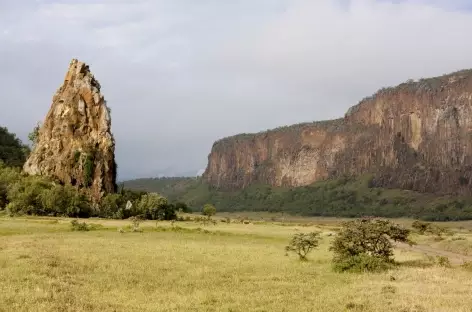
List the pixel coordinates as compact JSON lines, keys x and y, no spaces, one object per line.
{"x":180,"y":74}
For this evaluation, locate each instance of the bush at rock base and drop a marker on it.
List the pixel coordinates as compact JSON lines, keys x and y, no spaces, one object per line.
{"x":22,"y":194}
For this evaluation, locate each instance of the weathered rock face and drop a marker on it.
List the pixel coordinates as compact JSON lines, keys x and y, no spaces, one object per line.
{"x":415,"y":136}
{"x":75,"y":144}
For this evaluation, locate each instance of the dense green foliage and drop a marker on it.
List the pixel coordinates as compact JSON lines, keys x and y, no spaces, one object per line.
{"x":155,"y":207}
{"x":365,"y":244}
{"x":360,"y":264}
{"x":35,"y":195}
{"x":209,"y":210}
{"x":345,"y":197}
{"x":88,"y":170}
{"x":12,"y":151}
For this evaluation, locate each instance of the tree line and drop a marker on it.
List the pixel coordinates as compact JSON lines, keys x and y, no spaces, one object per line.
{"x":43,"y":196}
{"x":351,"y":197}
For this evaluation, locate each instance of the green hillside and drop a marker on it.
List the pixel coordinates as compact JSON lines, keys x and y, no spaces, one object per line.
{"x":172,"y":188}
{"x":347,"y":197}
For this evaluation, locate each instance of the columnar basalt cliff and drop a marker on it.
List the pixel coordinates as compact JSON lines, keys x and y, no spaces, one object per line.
{"x":416,"y":136}
{"x":75,"y":144}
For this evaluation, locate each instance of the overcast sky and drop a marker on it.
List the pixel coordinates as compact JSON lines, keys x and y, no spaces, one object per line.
{"x":180,"y":74}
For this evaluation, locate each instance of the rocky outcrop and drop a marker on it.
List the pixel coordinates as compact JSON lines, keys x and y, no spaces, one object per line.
{"x":74,"y":144}
{"x":415,"y":136}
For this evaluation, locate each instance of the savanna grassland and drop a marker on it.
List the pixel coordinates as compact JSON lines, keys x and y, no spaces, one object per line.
{"x":238,"y":266}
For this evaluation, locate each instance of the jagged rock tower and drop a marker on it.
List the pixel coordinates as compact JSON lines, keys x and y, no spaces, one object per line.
{"x":75,"y":144}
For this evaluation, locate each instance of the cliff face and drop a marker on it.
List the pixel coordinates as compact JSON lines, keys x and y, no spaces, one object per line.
{"x":75,"y":144}
{"x":415,"y":136}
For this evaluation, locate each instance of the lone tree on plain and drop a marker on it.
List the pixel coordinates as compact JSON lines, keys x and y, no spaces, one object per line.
{"x":303,"y":243}
{"x":209,"y":210}
{"x":365,"y":244}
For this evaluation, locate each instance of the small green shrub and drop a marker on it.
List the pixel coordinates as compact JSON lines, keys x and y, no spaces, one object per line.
{"x":79,"y":226}
{"x":439,"y":230}
{"x":467,"y":266}
{"x":351,"y":306}
{"x":443,"y":261}
{"x":421,"y":227}
{"x":303,"y":243}
{"x":365,"y":245}
{"x":389,"y":289}
{"x":209,"y":210}
{"x":429,"y":228}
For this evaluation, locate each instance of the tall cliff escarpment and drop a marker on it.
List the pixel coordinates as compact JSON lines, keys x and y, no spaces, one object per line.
{"x":74,"y":144}
{"x":415,"y":136}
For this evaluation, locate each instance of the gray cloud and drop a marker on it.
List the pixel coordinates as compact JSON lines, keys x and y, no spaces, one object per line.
{"x":180,"y":74}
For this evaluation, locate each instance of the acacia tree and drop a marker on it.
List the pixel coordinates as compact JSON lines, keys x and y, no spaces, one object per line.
{"x":209,"y":210}
{"x":303,"y":243}
{"x":366,"y":244}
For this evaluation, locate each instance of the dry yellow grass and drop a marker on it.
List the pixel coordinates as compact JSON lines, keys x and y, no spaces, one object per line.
{"x":46,"y":267}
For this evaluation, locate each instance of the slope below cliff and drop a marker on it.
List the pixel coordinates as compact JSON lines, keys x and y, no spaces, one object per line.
{"x":343,"y":197}
{"x":416,"y":136}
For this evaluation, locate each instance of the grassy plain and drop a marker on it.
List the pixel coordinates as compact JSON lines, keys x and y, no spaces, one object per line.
{"x":44,"y":266}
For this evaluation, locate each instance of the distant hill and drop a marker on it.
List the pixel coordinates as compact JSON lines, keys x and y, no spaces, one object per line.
{"x":12,"y":151}
{"x":171,"y":187}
